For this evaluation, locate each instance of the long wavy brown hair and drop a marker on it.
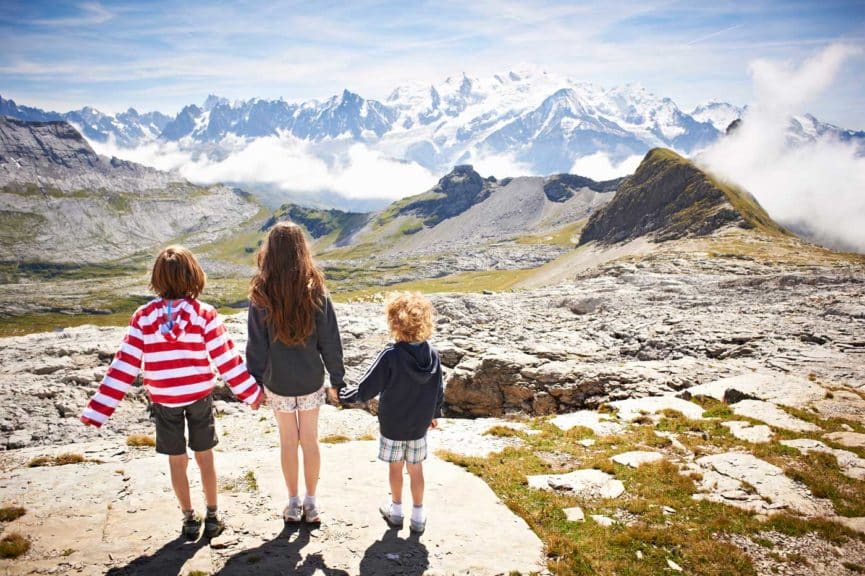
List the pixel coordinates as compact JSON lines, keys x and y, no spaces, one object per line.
{"x":287,"y":284}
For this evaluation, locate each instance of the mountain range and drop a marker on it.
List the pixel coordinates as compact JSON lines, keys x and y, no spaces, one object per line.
{"x":538,"y":120}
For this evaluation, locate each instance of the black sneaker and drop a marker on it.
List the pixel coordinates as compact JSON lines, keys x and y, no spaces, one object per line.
{"x":191,"y":528}
{"x":213,"y":526}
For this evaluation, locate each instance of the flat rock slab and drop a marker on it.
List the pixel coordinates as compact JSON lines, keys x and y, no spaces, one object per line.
{"x":851,"y":464}
{"x":749,"y":433}
{"x":588,"y":483}
{"x":600,"y":424}
{"x":768,"y":481}
{"x":467,"y":436}
{"x":637,"y":458}
{"x":771,"y":387}
{"x":851,"y":439}
{"x":632,"y":408}
{"x":772,"y":415}
{"x":123,"y":516}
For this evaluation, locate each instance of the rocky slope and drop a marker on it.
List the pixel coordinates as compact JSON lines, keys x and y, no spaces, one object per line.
{"x":61,"y":202}
{"x":669,"y":198}
{"x":56,"y":155}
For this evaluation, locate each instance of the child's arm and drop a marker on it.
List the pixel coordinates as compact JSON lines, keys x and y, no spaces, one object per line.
{"x":118,"y":379}
{"x":257,"y":343}
{"x":221,"y":350}
{"x":371,"y":384}
{"x":330,"y":345}
{"x":440,"y":399}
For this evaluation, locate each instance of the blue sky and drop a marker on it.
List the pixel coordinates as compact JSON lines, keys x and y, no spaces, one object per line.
{"x":163,"y":55}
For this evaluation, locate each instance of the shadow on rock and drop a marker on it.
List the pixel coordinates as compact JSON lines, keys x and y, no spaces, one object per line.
{"x":395,"y":555}
{"x":168,"y":560}
{"x":282,"y":555}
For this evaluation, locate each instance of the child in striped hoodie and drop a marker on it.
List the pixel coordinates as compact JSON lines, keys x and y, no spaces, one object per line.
{"x":174,"y":339}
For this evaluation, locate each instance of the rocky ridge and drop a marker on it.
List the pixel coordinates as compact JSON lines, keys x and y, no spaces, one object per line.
{"x":669,"y":198}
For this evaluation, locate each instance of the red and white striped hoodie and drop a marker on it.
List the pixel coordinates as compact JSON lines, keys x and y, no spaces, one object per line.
{"x":175,"y":359}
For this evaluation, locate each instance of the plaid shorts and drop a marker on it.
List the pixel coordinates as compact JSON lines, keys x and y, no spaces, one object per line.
{"x":412,"y":451}
{"x":296,"y":403}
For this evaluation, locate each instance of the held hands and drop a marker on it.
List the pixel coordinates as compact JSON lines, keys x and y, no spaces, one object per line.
{"x":258,"y":401}
{"x":434,"y":423}
{"x":332,"y":396}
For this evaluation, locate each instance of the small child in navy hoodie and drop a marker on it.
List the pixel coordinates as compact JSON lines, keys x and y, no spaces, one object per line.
{"x":407,"y":376}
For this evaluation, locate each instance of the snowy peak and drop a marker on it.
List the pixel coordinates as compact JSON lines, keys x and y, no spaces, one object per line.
{"x":718,"y":114}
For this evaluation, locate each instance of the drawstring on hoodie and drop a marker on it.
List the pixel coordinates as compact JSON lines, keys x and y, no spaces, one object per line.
{"x":168,"y":325}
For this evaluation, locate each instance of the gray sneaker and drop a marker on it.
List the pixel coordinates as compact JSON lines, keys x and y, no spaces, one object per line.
{"x":311,"y":513}
{"x":292,"y":513}
{"x":392,"y":520}
{"x":417,"y":527}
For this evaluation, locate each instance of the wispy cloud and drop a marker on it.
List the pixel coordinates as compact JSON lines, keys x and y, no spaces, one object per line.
{"x":89,"y":14}
{"x":166,"y":54}
{"x":713,"y":34}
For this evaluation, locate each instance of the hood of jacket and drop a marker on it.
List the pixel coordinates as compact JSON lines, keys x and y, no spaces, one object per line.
{"x":421,"y":357}
{"x":174,"y":318}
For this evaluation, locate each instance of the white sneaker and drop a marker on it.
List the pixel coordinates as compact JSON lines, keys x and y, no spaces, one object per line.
{"x":392,"y":520}
{"x":292,"y":513}
{"x":311,"y":513}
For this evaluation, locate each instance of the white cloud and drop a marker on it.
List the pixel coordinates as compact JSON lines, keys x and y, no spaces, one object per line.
{"x":499,"y":165}
{"x":354,"y":171}
{"x":598,"y":166}
{"x":816,"y":186}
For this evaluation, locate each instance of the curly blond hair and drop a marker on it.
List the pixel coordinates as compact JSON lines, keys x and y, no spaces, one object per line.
{"x":409,"y":316}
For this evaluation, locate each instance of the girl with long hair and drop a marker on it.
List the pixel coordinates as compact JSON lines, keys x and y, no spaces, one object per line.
{"x":293,"y":336}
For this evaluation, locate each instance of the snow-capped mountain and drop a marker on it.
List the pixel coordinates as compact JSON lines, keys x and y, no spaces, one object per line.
{"x":541,"y":121}
{"x":128,"y":129}
{"x":718,"y":114}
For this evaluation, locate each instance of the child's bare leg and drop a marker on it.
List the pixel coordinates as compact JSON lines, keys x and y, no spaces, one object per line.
{"x":208,"y":476}
{"x":288,"y":443}
{"x":395,"y":476}
{"x":415,"y":474}
{"x":177,"y":463}
{"x":309,"y":444}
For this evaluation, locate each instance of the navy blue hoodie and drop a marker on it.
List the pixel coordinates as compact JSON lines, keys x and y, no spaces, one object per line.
{"x":408,"y":379}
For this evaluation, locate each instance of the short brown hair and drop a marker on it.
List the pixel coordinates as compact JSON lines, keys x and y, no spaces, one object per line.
{"x":177,"y":274}
{"x":409,"y":316}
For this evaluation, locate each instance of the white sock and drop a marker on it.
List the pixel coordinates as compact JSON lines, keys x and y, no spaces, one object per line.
{"x":309,"y":501}
{"x":294,"y":500}
{"x":396,"y":508}
{"x":417,"y":514}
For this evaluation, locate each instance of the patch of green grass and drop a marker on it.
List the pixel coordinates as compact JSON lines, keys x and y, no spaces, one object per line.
{"x":714,"y":408}
{"x":822,"y":475}
{"x":568,"y":235}
{"x":492,"y":280}
{"x":10,"y":513}
{"x":13,"y":545}
{"x":198,"y":573}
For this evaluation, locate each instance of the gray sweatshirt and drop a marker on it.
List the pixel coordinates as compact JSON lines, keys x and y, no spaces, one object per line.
{"x":295,"y":370}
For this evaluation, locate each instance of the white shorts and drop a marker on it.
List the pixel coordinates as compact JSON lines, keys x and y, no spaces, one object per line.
{"x":296,"y":403}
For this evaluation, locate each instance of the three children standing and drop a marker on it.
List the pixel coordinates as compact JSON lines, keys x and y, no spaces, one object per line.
{"x":293,"y":337}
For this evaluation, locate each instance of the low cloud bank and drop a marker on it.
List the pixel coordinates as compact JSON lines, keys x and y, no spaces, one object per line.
{"x":354,"y":170}
{"x":817,"y":188}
